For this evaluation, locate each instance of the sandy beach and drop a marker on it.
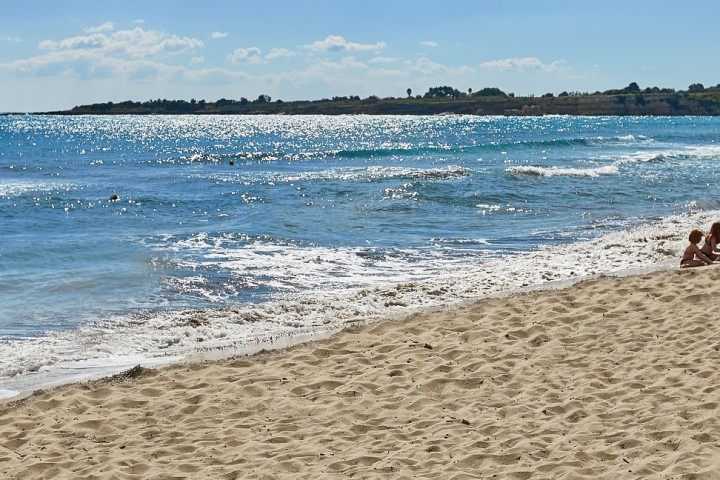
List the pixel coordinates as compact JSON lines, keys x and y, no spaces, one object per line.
{"x":609,"y":378}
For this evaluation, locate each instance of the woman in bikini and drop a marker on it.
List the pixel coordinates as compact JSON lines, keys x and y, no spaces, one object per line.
{"x":693,"y":256}
{"x":710,"y":247}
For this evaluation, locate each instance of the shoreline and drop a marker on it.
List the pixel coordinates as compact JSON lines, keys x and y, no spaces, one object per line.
{"x":100,"y":373}
{"x":608,"y":377}
{"x":16,"y":388}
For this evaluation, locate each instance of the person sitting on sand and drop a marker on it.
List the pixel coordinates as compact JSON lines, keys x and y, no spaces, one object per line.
{"x":693,"y":256}
{"x":710,"y":247}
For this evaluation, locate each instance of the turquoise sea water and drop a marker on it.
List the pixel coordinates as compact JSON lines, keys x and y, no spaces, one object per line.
{"x":228,"y":230}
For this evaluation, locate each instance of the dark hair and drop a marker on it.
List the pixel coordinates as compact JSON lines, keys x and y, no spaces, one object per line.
{"x":695,"y":236}
{"x":715,"y":231}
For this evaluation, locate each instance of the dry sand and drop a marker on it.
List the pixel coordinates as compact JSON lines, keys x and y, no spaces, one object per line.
{"x":610,"y":378}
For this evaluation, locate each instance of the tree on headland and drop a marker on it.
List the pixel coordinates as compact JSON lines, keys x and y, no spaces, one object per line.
{"x":409,"y":92}
{"x":696,"y":88}
{"x":490,"y":92}
{"x":442,"y":92}
{"x":650,"y":90}
{"x":224,"y":102}
{"x":632,"y":88}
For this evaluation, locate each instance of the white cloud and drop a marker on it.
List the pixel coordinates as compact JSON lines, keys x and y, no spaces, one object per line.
{"x":255,"y":55}
{"x":429,"y":43}
{"x":95,"y":40}
{"x":137,"y":43}
{"x":197,"y":60}
{"x":14,"y":39}
{"x":336,"y":43}
{"x":175,"y":44}
{"x":424,"y":66}
{"x":280,"y":53}
{"x":523,"y":64}
{"x":141,"y":43}
{"x":246,"y":55}
{"x":384,"y":60}
{"x":128,"y":54}
{"x":347,"y":63}
{"x":216,"y":35}
{"x":103,"y":27}
{"x":93,"y":65}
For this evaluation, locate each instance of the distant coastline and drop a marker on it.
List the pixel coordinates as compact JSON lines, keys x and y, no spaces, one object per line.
{"x":437,"y":101}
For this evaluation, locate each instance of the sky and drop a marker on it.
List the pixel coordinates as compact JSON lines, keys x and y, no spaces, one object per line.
{"x":57,"y":54}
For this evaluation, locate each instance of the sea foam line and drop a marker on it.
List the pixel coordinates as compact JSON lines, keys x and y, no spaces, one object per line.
{"x":569,"y":172}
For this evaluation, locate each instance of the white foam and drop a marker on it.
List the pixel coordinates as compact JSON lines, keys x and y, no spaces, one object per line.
{"x":698,"y":153}
{"x":627,"y":138}
{"x":570,"y":172}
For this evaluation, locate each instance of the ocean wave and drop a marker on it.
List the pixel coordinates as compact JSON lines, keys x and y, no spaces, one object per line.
{"x":621,"y":140}
{"x":230,"y":158}
{"x":247,"y":157}
{"x":705,"y":151}
{"x":445,"y":173}
{"x":564,"y":172}
{"x":702,"y":153}
{"x":695,"y":152}
{"x":707,"y":204}
{"x":486,"y":146}
{"x":378,"y":172}
{"x":350,"y":174}
{"x":397,"y":150}
{"x":459,"y":241}
{"x":562,"y":143}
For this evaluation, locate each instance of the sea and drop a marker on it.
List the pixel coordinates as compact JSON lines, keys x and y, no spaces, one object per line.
{"x":147,"y":240}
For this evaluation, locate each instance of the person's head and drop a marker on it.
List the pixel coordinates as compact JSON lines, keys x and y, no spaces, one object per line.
{"x":715,"y":230}
{"x":695,"y":236}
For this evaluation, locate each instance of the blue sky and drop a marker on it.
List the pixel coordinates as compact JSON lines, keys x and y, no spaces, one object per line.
{"x":57,"y":54}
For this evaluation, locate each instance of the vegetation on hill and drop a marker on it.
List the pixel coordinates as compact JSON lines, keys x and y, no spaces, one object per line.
{"x":631,"y":100}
